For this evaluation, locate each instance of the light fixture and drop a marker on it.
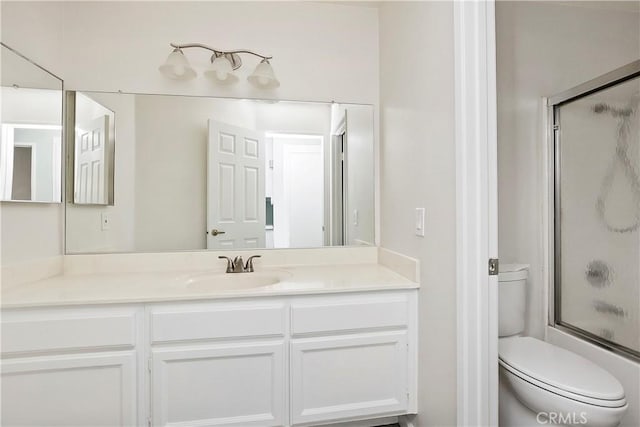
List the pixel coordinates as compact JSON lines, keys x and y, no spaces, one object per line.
{"x":221,"y":70}
{"x":263,"y":76}
{"x":177,"y":67}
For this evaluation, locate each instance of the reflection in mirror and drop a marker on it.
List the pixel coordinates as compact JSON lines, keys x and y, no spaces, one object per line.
{"x":30,"y":143}
{"x":213,"y":173}
{"x":92,"y":145}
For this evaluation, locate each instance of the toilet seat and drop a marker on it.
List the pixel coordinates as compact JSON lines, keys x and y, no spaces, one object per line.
{"x":605,"y":403}
{"x":560,"y":372}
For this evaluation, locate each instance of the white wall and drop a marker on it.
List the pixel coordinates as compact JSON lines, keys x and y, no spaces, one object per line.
{"x":418,"y":170}
{"x":322,"y":52}
{"x":31,"y":106}
{"x":544,"y":48}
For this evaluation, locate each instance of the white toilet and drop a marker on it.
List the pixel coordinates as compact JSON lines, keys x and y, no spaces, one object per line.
{"x":545,"y":385}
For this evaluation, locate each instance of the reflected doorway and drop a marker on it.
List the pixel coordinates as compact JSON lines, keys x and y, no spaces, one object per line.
{"x":295,"y":186}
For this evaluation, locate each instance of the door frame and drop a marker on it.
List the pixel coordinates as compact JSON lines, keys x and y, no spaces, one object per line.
{"x":476,"y":218}
{"x":34,"y":165}
{"x":338,"y":209}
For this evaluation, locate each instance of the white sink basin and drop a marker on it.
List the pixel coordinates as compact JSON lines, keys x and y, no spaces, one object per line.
{"x":234,"y":281}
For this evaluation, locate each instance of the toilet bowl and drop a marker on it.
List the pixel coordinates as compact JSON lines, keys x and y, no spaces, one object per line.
{"x":541,"y":384}
{"x":545,"y":385}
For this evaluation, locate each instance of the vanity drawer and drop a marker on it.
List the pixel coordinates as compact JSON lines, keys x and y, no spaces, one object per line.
{"x":55,"y":330}
{"x":188,"y":322}
{"x":341,"y":313}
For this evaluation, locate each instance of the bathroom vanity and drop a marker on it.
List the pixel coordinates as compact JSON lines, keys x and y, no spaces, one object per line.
{"x":121,"y":331}
{"x":302,"y":345}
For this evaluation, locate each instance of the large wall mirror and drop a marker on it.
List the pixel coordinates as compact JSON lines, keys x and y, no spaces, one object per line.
{"x":31,"y":136}
{"x":193,"y":173}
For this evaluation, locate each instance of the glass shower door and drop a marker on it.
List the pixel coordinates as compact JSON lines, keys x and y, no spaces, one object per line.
{"x":597,"y":236}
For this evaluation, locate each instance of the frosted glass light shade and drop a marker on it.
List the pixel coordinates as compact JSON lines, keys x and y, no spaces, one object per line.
{"x":221,"y":71}
{"x":263,"y":76}
{"x":177,"y":67}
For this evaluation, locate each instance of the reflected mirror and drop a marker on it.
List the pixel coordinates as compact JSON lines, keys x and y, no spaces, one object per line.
{"x":31,"y":137}
{"x":196,"y":173}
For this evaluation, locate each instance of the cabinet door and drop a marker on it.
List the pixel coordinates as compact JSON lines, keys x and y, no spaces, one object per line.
{"x":70,"y":390}
{"x":348,"y":377}
{"x":239,"y":384}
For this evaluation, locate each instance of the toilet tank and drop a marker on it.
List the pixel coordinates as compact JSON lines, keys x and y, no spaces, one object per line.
{"x":512,"y":291}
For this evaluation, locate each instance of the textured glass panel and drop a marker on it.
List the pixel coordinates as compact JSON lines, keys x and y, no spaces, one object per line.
{"x":599,"y":198}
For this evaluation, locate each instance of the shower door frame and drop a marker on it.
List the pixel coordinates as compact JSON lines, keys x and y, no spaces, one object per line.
{"x":553,"y":165}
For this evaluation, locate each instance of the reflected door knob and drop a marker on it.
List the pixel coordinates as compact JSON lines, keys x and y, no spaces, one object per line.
{"x":215,"y":232}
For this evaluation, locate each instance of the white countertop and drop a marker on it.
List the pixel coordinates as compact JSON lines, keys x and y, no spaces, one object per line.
{"x":111,"y":288}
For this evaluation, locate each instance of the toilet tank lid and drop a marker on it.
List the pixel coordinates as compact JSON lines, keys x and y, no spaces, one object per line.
{"x":559,"y":368}
{"x":511,"y":272}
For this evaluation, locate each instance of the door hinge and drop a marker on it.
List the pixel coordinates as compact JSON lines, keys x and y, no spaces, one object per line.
{"x":493,"y":266}
{"x":149,"y":362}
{"x":148,"y":422}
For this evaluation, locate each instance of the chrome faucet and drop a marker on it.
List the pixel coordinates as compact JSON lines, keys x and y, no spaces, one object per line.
{"x":238,"y":266}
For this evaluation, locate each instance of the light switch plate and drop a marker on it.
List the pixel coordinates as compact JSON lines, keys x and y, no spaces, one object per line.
{"x":420,"y":222}
{"x":105,"y":221}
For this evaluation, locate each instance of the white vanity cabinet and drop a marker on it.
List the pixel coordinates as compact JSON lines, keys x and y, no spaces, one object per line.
{"x":221,"y":363}
{"x":260,"y":361}
{"x":302,"y":360}
{"x":75,"y":366}
{"x":352,"y":357}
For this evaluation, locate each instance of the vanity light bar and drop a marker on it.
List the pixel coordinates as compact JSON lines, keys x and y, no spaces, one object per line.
{"x":223,"y":63}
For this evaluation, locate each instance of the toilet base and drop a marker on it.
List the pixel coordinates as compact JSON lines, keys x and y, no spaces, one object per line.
{"x":512,"y":413}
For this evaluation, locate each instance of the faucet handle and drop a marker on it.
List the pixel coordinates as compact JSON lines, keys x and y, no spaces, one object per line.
{"x":230,"y":264}
{"x":249,"y":266}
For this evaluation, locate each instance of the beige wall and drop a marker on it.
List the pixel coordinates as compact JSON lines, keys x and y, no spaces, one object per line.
{"x":544,"y":48}
{"x":418,"y":170}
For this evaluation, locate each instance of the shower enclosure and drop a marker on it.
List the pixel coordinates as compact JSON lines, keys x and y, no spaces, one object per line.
{"x":595,"y":129}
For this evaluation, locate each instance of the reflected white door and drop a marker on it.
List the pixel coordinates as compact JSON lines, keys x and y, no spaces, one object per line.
{"x":90,"y":154}
{"x":235,"y":187}
{"x":298,"y":191}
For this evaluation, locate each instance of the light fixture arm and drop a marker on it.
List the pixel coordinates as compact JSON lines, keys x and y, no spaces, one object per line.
{"x":218,"y":52}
